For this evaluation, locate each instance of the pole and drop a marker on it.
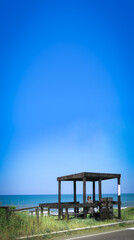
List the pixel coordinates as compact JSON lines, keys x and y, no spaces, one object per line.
{"x":119,"y":199}
{"x":74,"y":194}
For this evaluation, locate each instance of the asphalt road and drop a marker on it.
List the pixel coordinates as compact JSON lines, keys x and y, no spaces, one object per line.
{"x":124,"y":234}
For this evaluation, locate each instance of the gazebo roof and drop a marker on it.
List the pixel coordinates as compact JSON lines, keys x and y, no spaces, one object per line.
{"x":89,"y":176}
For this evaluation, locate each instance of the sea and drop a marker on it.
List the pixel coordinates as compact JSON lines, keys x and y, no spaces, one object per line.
{"x":22,"y":201}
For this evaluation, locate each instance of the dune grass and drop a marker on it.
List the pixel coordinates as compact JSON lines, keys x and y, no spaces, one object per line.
{"x":23,"y":224}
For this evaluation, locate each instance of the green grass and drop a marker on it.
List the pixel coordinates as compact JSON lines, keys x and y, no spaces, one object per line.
{"x":23,"y":224}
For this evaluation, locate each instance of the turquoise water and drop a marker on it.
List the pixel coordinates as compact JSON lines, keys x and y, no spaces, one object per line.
{"x":20,"y":201}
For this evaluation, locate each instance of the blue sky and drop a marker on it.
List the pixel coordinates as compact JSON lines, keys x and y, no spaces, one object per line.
{"x":66,"y":92}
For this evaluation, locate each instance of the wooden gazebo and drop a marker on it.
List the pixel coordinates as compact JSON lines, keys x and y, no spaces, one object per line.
{"x":105,"y":204}
{"x":90,"y":177}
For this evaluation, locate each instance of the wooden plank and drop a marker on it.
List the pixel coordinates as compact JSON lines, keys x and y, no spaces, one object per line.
{"x":61,"y":205}
{"x":71,"y":177}
{"x":46,"y":205}
{"x":109,"y":205}
{"x":110,"y":199}
{"x":90,"y":176}
{"x":22,"y":209}
{"x":105,"y":210}
{"x":93,"y":191}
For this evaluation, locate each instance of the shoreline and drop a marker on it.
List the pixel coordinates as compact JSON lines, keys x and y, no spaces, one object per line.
{"x":23,"y":201}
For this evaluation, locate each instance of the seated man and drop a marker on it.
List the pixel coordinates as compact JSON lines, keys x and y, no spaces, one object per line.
{"x":90,"y":210}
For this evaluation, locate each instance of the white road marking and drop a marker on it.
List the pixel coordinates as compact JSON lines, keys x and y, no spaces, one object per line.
{"x":132,"y":228}
{"x":96,"y":234}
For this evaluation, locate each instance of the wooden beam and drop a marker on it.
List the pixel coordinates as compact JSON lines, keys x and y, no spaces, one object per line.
{"x":119,"y":199}
{"x":21,"y":209}
{"x":84,"y":195}
{"x":93,"y":191}
{"x":100,"y":193}
{"x":68,"y":205}
{"x":89,"y":176}
{"x":75,"y":191}
{"x":74,"y":194}
{"x":59,"y":198}
{"x":84,"y":190}
{"x":59,"y":192}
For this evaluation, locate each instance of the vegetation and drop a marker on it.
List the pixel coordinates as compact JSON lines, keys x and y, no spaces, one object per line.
{"x":23,"y":224}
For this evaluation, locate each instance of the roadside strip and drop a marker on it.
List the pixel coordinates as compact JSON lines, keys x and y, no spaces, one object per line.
{"x":75,"y":229}
{"x":97,"y":234}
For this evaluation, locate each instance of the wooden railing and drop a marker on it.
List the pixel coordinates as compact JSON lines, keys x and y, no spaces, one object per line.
{"x":59,"y":207}
{"x":67,"y":206}
{"x":8,"y":210}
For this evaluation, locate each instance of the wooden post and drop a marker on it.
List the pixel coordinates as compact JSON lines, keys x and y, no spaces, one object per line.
{"x":99,"y":195}
{"x":67,"y":214}
{"x":99,"y":189}
{"x":119,"y":199}
{"x":41,"y":211}
{"x":74,"y":194}
{"x":84,"y":190}
{"x":84,"y":195}
{"x":59,"y":192}
{"x":74,"y":191}
{"x":59,"y":198}
{"x":48,"y":211}
{"x":94,"y":191}
{"x":37,"y":215}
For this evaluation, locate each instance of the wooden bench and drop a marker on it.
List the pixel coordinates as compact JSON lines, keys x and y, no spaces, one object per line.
{"x":106,"y":208}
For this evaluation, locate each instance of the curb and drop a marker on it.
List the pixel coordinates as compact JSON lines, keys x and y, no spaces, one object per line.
{"x":75,"y":229}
